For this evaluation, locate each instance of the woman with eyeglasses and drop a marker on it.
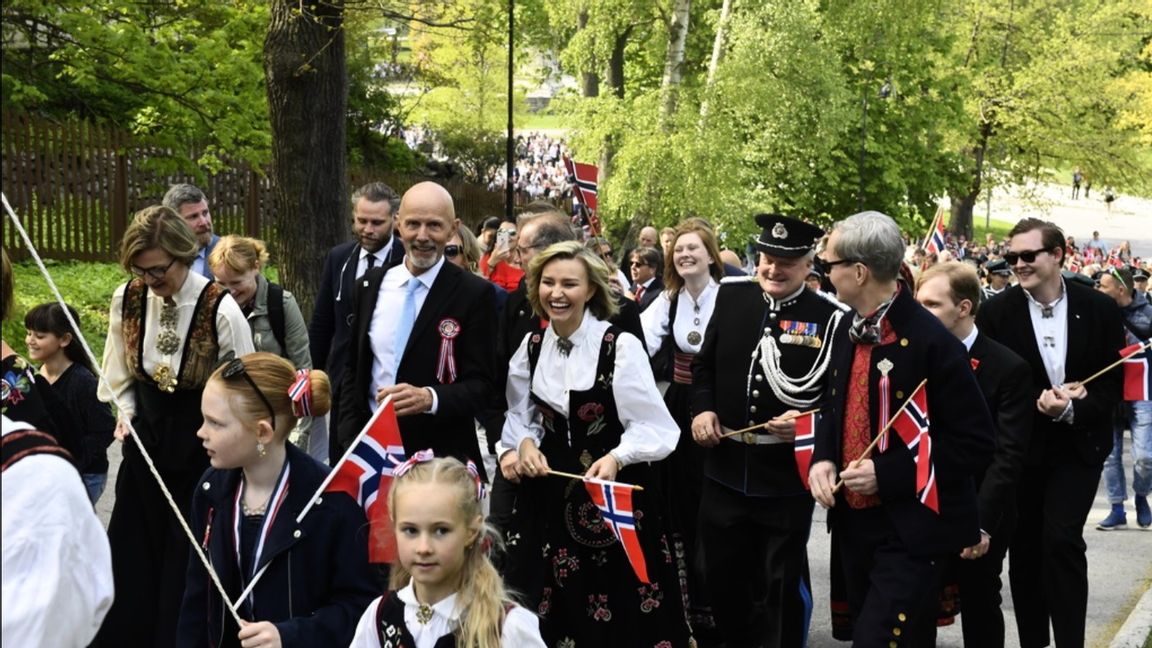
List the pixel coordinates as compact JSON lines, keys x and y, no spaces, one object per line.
{"x":168,"y":329}
{"x":312,"y":578}
{"x":674,"y":328}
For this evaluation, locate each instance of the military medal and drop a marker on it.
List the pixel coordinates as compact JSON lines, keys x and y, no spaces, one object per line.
{"x":800,"y":333}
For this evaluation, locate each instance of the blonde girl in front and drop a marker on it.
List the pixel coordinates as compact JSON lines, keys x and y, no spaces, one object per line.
{"x":445,"y":591}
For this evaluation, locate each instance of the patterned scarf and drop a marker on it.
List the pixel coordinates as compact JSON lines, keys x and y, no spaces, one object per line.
{"x":866,"y":330}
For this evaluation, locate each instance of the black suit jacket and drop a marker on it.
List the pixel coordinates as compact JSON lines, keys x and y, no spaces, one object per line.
{"x":650,"y":294}
{"x":961,"y":428}
{"x":457,"y":295}
{"x":1095,"y":337}
{"x":1006,"y":381}
{"x":331,"y":318}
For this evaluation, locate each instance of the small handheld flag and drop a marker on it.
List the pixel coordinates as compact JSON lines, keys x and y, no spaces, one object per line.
{"x":934,"y":242}
{"x":366,"y":472}
{"x":805,"y":444}
{"x":1137,"y":371}
{"x":584,"y":178}
{"x":615,"y":503}
{"x":912,"y":424}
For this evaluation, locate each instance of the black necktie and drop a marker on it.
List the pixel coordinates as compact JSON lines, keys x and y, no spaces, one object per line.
{"x":371,"y":259}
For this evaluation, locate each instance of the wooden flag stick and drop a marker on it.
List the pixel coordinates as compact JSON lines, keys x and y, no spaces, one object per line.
{"x":1111,"y":366}
{"x":569,"y":475}
{"x":765,"y":424}
{"x":872,"y":446}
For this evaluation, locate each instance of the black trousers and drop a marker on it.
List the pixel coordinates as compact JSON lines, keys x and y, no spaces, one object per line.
{"x":1048,"y":568}
{"x":756,"y":566}
{"x":981,"y":617}
{"x":892,"y":594}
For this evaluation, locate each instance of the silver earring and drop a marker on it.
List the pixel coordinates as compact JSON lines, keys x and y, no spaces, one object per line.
{"x":260,"y":449}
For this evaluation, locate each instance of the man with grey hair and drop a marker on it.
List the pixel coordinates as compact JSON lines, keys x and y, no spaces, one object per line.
{"x":192,"y":205}
{"x":909,"y":502}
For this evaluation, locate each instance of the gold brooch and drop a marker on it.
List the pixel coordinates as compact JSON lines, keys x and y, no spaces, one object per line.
{"x":165,"y":378}
{"x":424,"y":614}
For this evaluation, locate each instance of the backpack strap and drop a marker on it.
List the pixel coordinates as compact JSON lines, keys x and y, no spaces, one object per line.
{"x":24,"y":443}
{"x":276,"y":315}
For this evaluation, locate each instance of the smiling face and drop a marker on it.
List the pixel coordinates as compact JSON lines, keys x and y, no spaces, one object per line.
{"x":157,"y":259}
{"x":432,"y":537}
{"x":1044,"y":269}
{"x":427,"y":222}
{"x":229,"y":443}
{"x":241,"y":285}
{"x":780,"y":277}
{"x":43,"y":345}
{"x":564,"y":290}
{"x":690,"y":256}
{"x":640,"y":270}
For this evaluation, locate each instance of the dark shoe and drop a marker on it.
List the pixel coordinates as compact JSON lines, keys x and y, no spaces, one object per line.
{"x":1115,"y":520}
{"x":1143,"y":513}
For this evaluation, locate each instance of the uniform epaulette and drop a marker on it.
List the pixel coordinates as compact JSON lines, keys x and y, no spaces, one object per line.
{"x":835,"y":302}
{"x":737,"y":280}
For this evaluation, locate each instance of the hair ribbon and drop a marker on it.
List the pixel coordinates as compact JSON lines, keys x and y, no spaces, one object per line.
{"x":481,"y":490}
{"x":419,"y":457}
{"x":301,"y":394}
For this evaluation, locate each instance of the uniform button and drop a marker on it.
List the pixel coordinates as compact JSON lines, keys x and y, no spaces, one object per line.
{"x":767,"y":329}
{"x":319,"y":501}
{"x":903,"y":617}
{"x":772,"y":315}
{"x":751,"y":422}
{"x":833,"y":391}
{"x":893,"y":644}
{"x":755,"y":393}
{"x":759,"y":378}
{"x":296,"y":533}
{"x":899,"y":394}
{"x":835,"y":372}
{"x":752,"y":409}
{"x":896,"y":631}
{"x":904,"y":342}
{"x":207,"y":485}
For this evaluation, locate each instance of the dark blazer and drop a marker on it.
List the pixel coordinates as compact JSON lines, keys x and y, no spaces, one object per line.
{"x":1006,"y":381}
{"x":457,"y":295}
{"x":318,"y":580}
{"x":331,"y":318}
{"x":961,"y":428}
{"x":1095,"y":337}
{"x":650,"y":293}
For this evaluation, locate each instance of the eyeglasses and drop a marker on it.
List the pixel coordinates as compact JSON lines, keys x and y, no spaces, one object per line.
{"x":451,"y":251}
{"x":1027,"y":256}
{"x":825,"y":266}
{"x":157,"y":272}
{"x":524,"y":249}
{"x":638,"y":264}
{"x":235,"y":367}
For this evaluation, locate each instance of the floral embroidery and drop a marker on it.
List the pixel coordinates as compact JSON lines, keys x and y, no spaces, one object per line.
{"x":663,"y":644}
{"x":512,"y":539}
{"x":650,"y":597}
{"x":598,"y":607}
{"x":545,"y":602}
{"x":16,"y":383}
{"x":566,"y":642}
{"x":562,"y":564}
{"x":593,"y":414}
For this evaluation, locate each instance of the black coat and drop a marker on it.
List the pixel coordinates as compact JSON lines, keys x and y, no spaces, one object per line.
{"x":318,"y":580}
{"x":650,"y":294}
{"x":1095,"y":337}
{"x":457,"y":295}
{"x":1006,"y":381}
{"x":961,"y":428}
{"x":331,"y":319}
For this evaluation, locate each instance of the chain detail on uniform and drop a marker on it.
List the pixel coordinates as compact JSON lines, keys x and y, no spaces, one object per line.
{"x":785,"y":387}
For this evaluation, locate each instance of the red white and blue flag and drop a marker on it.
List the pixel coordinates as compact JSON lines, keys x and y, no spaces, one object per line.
{"x":805,"y":444}
{"x":1137,"y":371}
{"x":934,"y":242}
{"x":584,"y":183}
{"x":912,"y":424}
{"x":615,"y":503}
{"x":365,"y":473}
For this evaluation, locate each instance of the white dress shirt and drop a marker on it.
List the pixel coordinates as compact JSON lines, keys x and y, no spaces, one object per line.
{"x":650,"y":433}
{"x":381,"y":257}
{"x":232,"y":333}
{"x":521,"y":627}
{"x":655,"y":318}
{"x":57,"y":565}
{"x":386,"y":316}
{"x":1051,"y":334}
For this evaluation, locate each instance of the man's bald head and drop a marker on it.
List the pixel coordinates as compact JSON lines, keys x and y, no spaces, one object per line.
{"x":428,"y":197}
{"x":648,"y":237}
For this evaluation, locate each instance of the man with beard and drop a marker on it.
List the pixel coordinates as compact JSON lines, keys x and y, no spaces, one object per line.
{"x":373,"y":207}
{"x":422,"y":333}
{"x":192,"y":205}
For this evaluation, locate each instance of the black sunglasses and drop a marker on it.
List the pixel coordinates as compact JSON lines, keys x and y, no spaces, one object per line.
{"x":451,"y":251}
{"x":235,"y":367}
{"x":825,"y":266}
{"x":638,"y":264}
{"x":1027,"y":256}
{"x":157,"y":272}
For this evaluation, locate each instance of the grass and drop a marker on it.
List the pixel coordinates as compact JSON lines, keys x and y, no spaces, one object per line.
{"x":543,"y":120}
{"x":998,"y":228}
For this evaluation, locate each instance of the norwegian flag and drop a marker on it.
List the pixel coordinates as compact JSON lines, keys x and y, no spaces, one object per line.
{"x":365,"y":473}
{"x":1114,"y":259}
{"x":584,"y":178}
{"x":934,"y":242}
{"x":912,"y":424}
{"x":805,"y":444}
{"x":1137,"y":371}
{"x":615,"y":503}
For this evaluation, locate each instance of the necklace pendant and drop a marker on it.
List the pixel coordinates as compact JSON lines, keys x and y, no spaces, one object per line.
{"x":165,"y":378}
{"x":424,"y":614}
{"x":694,"y":338}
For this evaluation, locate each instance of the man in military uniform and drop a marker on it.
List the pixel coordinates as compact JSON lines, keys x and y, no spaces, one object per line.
{"x":998,"y":275}
{"x":764,"y":358}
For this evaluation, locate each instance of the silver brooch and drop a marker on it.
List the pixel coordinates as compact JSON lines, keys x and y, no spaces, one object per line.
{"x":779,"y":231}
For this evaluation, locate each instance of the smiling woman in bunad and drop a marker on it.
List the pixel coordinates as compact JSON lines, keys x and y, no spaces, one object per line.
{"x":581,"y":399}
{"x":674,"y":330}
{"x":168,"y":328}
{"x":314,"y":580}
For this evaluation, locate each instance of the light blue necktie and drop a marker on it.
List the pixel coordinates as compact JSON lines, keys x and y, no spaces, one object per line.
{"x":406,"y":322}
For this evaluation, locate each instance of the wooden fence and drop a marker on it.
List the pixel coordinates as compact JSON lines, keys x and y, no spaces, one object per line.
{"x":75,"y":184}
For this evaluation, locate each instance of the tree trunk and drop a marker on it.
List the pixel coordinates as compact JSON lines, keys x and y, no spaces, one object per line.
{"x":616,"y":63}
{"x":717,"y":54}
{"x":963,"y":203}
{"x":674,"y":60}
{"x":307,"y":104}
{"x":589,"y":81}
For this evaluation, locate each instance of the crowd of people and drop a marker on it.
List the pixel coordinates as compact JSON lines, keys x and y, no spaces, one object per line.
{"x":539,"y":172}
{"x":948,"y":409}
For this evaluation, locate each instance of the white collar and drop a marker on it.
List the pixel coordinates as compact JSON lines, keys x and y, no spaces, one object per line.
{"x":777,"y":304}
{"x":189,"y":292}
{"x":579,"y":335}
{"x":971,"y":339}
{"x":382,"y":254}
{"x":1049,"y":307}
{"x":446,"y":608}
{"x":428,"y":277}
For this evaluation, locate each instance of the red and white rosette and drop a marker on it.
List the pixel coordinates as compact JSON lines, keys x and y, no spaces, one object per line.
{"x":446,"y":365}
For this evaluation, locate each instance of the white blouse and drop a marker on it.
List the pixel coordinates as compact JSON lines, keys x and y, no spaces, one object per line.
{"x":655,"y":318}
{"x":233,"y":335}
{"x":650,"y":434}
{"x":521,"y":627}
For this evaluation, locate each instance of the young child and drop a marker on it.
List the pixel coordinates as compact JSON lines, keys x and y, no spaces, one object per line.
{"x":445,"y":591}
{"x":63,"y":363}
{"x":315,"y":575}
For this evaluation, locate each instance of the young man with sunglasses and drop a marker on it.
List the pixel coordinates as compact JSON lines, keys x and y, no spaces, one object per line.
{"x":1066,"y":332}
{"x":646,"y":281}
